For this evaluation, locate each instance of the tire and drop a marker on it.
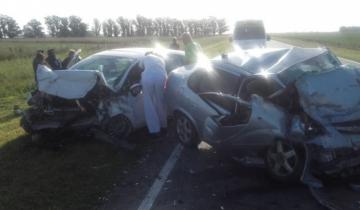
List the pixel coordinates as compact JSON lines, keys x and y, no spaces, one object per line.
{"x":118,"y":127}
{"x":285,"y":162}
{"x":25,"y":125}
{"x":185,"y":131}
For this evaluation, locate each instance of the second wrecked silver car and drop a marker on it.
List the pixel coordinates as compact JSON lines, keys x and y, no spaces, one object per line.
{"x":297,"y":108}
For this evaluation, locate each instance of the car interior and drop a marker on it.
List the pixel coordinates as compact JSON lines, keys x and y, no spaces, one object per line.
{"x":172,"y":62}
{"x":258,"y":85}
{"x":219,"y":81}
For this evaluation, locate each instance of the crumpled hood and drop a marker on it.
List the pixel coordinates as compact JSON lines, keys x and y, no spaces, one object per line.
{"x":332,"y":96}
{"x":67,"y":84}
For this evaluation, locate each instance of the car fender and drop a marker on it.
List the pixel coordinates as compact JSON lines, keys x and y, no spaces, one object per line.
{"x":118,"y":106}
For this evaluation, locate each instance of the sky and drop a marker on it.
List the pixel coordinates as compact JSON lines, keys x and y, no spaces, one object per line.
{"x":278,"y":15}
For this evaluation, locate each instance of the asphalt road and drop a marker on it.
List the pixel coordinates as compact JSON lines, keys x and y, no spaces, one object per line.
{"x":168,"y":176}
{"x":203,"y":179}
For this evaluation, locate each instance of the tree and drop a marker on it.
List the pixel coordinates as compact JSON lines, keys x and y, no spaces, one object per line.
{"x":116,"y":30}
{"x":8,"y":27}
{"x":140,"y":25}
{"x":344,"y":29}
{"x":122,"y":23}
{"x":104,"y":28}
{"x":33,"y":29}
{"x":64,"y":30}
{"x":77,"y":27}
{"x":222,"y":26}
{"x":53,"y":23}
{"x":110,"y":27}
{"x":97,"y":27}
{"x":3,"y":28}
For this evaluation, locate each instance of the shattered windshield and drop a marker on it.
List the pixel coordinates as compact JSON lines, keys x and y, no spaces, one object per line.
{"x":113,"y":67}
{"x":318,"y":64}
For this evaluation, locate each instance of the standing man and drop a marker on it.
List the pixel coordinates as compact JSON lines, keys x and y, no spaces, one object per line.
{"x":69,"y":58}
{"x":192,"y":49}
{"x":153,"y":80}
{"x":37,"y":60}
{"x":72,"y":58}
{"x":53,"y":61}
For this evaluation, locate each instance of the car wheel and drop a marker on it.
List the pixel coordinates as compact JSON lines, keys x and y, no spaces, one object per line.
{"x":285,"y":162}
{"x":185,"y":131}
{"x":119,"y":127}
{"x":25,"y":125}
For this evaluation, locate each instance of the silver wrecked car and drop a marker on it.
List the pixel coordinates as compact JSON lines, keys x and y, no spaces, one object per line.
{"x":297,"y":108}
{"x":101,"y":93}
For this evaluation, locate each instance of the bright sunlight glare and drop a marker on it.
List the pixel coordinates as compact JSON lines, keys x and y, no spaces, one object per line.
{"x":203,"y":62}
{"x":264,"y":73}
{"x":160,"y":49}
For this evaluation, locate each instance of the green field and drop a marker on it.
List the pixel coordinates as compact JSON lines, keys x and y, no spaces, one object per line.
{"x":346,"y":45}
{"x":78,"y":174}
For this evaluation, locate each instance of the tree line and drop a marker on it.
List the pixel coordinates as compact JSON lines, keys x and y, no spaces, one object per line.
{"x":345,"y":29}
{"x":73,"y":26}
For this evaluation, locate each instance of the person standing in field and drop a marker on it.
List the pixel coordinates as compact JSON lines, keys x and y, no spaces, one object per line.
{"x":67,"y":60}
{"x":153,"y":80}
{"x":174,"y":44}
{"x":53,"y":61}
{"x":72,"y":58}
{"x":37,"y":60}
{"x":191,"y":48}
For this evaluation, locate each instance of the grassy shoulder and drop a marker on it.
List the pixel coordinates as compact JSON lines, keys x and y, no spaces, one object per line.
{"x":346,"y":46}
{"x":71,"y":172}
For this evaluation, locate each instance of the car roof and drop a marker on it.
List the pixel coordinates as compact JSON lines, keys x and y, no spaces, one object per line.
{"x":138,"y":52}
{"x":272,"y":60}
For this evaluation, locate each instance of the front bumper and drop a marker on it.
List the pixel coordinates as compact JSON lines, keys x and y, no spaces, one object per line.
{"x":335,"y":160}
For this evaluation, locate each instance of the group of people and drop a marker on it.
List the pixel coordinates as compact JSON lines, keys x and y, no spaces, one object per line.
{"x":51,"y":61}
{"x":153,"y":81}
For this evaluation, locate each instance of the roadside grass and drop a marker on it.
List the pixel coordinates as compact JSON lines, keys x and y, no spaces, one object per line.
{"x":346,"y":45}
{"x":70,"y":172}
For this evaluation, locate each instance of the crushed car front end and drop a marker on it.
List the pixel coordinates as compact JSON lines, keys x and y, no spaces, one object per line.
{"x":332,"y":102}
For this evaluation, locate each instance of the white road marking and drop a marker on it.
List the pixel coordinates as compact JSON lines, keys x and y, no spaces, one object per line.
{"x":155,"y":189}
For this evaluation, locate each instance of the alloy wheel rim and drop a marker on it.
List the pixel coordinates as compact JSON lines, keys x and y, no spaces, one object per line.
{"x":183,"y":129}
{"x":282,"y":159}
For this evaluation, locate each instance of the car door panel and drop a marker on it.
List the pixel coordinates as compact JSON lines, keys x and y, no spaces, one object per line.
{"x":265,"y":122}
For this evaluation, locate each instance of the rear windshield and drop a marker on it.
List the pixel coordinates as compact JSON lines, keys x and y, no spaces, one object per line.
{"x":249,"y":30}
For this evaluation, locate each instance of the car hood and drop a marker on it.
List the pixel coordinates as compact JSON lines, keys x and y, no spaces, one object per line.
{"x":332,"y":96}
{"x":272,"y":61}
{"x":68,"y":84}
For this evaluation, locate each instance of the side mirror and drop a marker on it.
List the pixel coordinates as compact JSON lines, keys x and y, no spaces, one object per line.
{"x":135,"y":89}
{"x":268,"y":37}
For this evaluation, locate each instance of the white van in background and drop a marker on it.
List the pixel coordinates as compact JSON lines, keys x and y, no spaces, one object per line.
{"x":249,"y":34}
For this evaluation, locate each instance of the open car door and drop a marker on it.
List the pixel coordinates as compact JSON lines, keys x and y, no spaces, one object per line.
{"x":242,"y":123}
